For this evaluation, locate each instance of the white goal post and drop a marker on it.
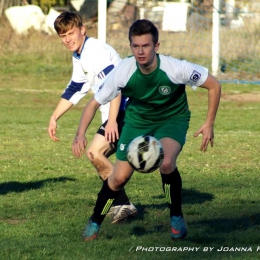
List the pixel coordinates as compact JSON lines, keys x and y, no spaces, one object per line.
{"x":215,"y":37}
{"x":102,"y":20}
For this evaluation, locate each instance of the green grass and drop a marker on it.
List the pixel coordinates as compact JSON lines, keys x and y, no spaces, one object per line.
{"x":47,"y":195}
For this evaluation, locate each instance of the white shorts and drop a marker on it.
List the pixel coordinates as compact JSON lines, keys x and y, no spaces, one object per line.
{"x":104,"y":110}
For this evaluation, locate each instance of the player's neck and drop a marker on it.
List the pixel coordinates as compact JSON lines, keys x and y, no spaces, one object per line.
{"x":82,"y":44}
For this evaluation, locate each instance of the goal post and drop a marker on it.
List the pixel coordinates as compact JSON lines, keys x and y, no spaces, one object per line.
{"x":215,"y":37}
{"x":102,"y":20}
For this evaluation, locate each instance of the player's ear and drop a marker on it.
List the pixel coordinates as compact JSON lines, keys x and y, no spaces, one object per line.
{"x":83,"y":30}
{"x":156,"y":47}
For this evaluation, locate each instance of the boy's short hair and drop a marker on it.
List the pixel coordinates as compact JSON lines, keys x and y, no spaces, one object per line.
{"x":141,"y":27}
{"x":66,"y":21}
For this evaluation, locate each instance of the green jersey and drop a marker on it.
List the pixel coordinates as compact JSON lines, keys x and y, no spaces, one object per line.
{"x":154,"y":97}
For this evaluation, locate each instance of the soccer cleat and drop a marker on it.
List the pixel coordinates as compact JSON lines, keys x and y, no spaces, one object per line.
{"x":91,"y":230}
{"x":113,"y":210}
{"x":178,"y":227}
{"x":124,"y":212}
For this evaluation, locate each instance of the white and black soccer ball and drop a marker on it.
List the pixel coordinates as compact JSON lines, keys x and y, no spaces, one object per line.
{"x":145,"y":154}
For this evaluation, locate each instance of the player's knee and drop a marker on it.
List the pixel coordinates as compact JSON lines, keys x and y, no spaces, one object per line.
{"x":118,"y":182}
{"x":92,"y":154}
{"x":168,"y":165}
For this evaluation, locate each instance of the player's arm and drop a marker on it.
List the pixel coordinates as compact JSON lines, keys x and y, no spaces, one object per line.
{"x":80,"y":142}
{"x":111,"y":129}
{"x":75,"y":91}
{"x":63,"y":106}
{"x":207,"y":129}
{"x":108,"y":91}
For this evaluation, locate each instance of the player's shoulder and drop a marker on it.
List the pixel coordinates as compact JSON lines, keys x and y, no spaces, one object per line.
{"x":96,"y":47}
{"x":93,"y":45}
{"x":129,"y":60}
{"x":126,"y":65}
{"x":123,"y":71}
{"x":168,"y":62}
{"x":96,"y":52}
{"x":93,"y":41}
{"x":167,"y":58}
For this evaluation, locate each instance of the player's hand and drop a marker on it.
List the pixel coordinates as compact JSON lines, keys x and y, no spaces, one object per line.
{"x":78,"y":145}
{"x":111,"y":132}
{"x":208,"y":136}
{"x":52,"y":130}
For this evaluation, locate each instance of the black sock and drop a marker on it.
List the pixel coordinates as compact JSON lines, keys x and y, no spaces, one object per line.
{"x":172,"y":186}
{"x":105,"y":199}
{"x":122,"y":199}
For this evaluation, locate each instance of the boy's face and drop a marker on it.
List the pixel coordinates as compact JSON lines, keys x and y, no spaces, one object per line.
{"x":74,"y":38}
{"x":143,"y":49}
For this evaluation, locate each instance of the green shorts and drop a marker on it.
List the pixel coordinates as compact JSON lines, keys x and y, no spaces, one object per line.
{"x":175,"y":128}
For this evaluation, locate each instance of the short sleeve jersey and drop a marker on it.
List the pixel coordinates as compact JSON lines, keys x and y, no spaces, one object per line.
{"x":156,"y":96}
{"x":96,"y":60}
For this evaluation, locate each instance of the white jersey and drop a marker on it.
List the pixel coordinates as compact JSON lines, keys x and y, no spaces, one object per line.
{"x":95,"y":61}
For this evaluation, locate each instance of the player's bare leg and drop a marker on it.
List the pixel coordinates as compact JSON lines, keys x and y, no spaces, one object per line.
{"x":120,"y":176}
{"x":98,"y":153}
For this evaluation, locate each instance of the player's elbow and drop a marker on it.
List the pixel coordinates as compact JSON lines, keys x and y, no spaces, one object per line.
{"x":218,"y":88}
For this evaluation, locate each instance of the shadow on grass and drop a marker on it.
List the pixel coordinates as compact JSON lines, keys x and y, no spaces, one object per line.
{"x":217,"y":229}
{"x":189,"y":197}
{"x":213,"y":230}
{"x":15,"y":186}
{"x":195,"y":197}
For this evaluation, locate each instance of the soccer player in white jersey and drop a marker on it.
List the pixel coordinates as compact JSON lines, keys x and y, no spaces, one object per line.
{"x":158,"y":106}
{"x":92,"y":60}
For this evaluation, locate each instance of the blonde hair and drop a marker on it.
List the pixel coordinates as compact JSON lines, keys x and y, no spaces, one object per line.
{"x":66,"y":21}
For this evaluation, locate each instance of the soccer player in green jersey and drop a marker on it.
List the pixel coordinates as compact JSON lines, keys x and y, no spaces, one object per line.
{"x":155,"y":85}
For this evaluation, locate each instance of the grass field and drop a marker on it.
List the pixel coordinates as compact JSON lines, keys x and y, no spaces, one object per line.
{"x":47,"y":195}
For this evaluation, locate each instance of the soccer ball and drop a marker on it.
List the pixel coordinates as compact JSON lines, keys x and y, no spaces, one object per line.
{"x":145,"y":154}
